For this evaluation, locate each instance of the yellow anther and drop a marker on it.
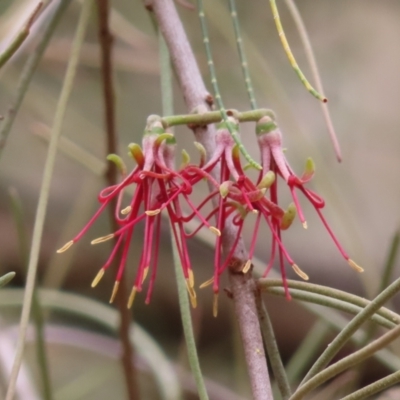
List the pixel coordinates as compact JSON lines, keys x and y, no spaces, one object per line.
{"x":132,"y":297}
{"x":145,"y":273}
{"x":192,"y":295}
{"x":65,"y":247}
{"x":126,"y":210}
{"x":114,"y":291}
{"x":215,"y":305}
{"x":355,"y":265}
{"x":254,"y":211}
{"x":191,"y":278}
{"x":246,"y":267}
{"x":102,"y":239}
{"x":207,"y":283}
{"x":300,"y":273}
{"x":215,"y":230}
{"x":152,"y":213}
{"x":97,"y":278}
{"x":305,"y":226}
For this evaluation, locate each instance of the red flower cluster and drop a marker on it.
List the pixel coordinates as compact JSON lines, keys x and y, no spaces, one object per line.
{"x":159,"y":187}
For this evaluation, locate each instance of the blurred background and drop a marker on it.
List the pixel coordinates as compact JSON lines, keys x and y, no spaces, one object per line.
{"x":355,"y":44}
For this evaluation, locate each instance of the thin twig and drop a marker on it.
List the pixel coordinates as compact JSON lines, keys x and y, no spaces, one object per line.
{"x":167,"y":98}
{"x":345,"y":335}
{"x":326,"y":291}
{"x":105,"y":40}
{"x":346,"y":363}
{"x":272,"y":348}
{"x":21,"y":36}
{"x":44,"y":194}
{"x":298,"y":20}
{"x":243,"y":286}
{"x":28,"y":71}
{"x":37,"y":312}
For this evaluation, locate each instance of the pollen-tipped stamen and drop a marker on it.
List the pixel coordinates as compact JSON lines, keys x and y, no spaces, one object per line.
{"x":300,"y":272}
{"x":97,"y":278}
{"x":114,"y":291}
{"x":126,"y":210}
{"x":132,"y":297}
{"x":246,"y":267}
{"x":192,"y":294}
{"x":152,"y":213}
{"x":66,"y":246}
{"x":102,"y":239}
{"x":355,"y":266}
{"x":191,"y":278}
{"x":215,"y":230}
{"x":215,"y":305}
{"x":145,"y":273}
{"x":207,"y":283}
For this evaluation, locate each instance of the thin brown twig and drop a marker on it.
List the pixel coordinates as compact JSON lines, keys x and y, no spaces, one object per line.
{"x":106,"y":41}
{"x":197,"y":98}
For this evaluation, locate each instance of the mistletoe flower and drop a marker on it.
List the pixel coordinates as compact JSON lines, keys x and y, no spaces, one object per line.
{"x":273,"y":159}
{"x":156,"y":187}
{"x":239,"y":196}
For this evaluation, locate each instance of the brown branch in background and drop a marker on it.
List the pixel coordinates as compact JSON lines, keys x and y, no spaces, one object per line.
{"x":106,"y":41}
{"x":243,"y":286}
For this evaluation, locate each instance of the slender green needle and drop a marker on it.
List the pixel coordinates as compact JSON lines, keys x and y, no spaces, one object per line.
{"x":345,"y":363}
{"x":214,"y":83}
{"x":37,"y":312}
{"x":390,"y":262}
{"x":242,"y":54}
{"x":376,"y":387}
{"x":44,"y":194}
{"x":184,"y":306}
{"x":298,"y":21}
{"x":271,"y":345}
{"x":28,"y":71}
{"x":21,"y":36}
{"x":290,"y":55}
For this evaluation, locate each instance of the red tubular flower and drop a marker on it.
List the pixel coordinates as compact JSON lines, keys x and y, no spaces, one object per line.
{"x":238,"y":197}
{"x":273,"y":159}
{"x":157,"y":187}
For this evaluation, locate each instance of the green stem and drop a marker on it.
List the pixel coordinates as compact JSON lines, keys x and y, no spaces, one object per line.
{"x":346,"y":363}
{"x":390,"y":262}
{"x":217,"y":93}
{"x":298,"y":20}
{"x":184,"y":305}
{"x":242,"y":54}
{"x":343,"y":337}
{"x":44,"y":194}
{"x":28,"y":71}
{"x":37,"y":313}
{"x":21,"y":36}
{"x":331,"y":303}
{"x":215,"y":116}
{"x":272,"y":348}
{"x":111,"y":177}
{"x":376,"y":387}
{"x":290,"y":56}
{"x":391,"y":316}
{"x":186,"y":317}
